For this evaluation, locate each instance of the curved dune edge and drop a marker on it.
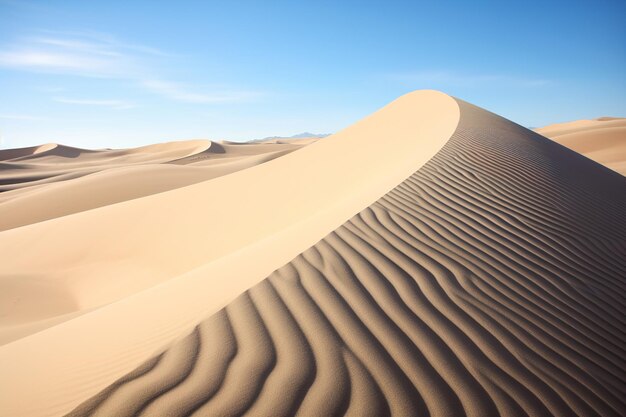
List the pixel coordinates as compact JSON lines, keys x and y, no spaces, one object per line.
{"x":488,"y":283}
{"x":360,"y":164}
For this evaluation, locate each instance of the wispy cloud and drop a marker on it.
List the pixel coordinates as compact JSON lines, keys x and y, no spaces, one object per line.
{"x":449,"y":78}
{"x":20,"y":117}
{"x":184,"y":93}
{"x":49,"y":89}
{"x":59,"y":62}
{"x":114,"y":104}
{"x":89,"y":54}
{"x":103,"y":42}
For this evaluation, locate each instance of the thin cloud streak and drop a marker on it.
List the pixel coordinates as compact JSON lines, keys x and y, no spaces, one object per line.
{"x":102,"y":56}
{"x":179,"y":92}
{"x":103,"y":40}
{"x":21,"y":117}
{"x":57,"y":62}
{"x":114,"y":104}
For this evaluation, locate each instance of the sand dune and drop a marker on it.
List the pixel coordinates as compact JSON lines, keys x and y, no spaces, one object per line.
{"x":120,"y":175}
{"x":444,"y":262}
{"x":48,"y":163}
{"x":602,"y":139}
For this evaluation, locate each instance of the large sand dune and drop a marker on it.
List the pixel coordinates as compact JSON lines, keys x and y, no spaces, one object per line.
{"x":433,"y":259}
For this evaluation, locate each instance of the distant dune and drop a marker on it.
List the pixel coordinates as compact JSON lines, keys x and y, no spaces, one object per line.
{"x":32,"y":178}
{"x":602,"y":139}
{"x":432,"y":259}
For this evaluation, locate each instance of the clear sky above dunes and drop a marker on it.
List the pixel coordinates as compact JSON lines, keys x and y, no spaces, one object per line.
{"x":120,"y":73}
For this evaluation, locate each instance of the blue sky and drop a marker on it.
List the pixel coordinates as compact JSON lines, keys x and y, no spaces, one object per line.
{"x":122,"y":73}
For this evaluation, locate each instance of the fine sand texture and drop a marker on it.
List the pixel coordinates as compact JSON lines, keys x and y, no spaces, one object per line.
{"x":473,"y":267}
{"x":602,"y":139}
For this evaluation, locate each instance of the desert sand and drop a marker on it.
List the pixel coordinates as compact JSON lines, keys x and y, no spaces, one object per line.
{"x":431,"y":259}
{"x":38,"y":176}
{"x":602,"y":139}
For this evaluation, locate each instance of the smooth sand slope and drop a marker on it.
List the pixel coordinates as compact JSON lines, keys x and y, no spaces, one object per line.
{"x":603,"y":139}
{"x":489,"y":281}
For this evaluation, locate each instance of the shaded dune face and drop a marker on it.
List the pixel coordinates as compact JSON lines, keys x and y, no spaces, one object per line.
{"x":490,"y":282}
